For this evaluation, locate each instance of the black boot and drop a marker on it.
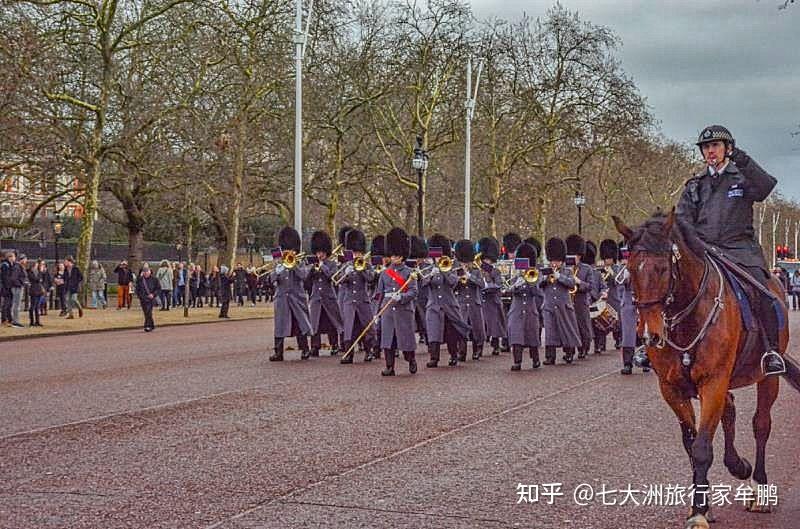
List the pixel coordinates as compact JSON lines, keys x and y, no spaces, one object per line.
{"x":349,"y":358}
{"x":477,"y":351}
{"x":582,"y":352}
{"x":277,"y":356}
{"x":433,"y":351}
{"x":462,"y":351}
{"x":516,"y":352}
{"x":569,"y":354}
{"x":302,"y":343}
{"x":389,"y":371}
{"x":495,"y":346}
{"x":627,"y":370}
{"x":534,"y":357}
{"x":411,"y":358}
{"x":627,"y":360}
{"x":549,"y":355}
{"x":504,"y":346}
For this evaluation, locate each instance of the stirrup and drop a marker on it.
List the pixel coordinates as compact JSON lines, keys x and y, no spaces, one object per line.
{"x":767,"y":356}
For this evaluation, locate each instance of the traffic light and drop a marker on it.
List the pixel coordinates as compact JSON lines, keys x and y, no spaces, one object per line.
{"x":782,"y":252}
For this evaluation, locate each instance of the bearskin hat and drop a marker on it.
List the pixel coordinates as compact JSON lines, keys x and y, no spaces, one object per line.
{"x":419,"y":249}
{"x":620,"y":245}
{"x":510,"y":241}
{"x":378,"y":245}
{"x":608,"y":249}
{"x":533,"y":241}
{"x":289,"y":239}
{"x":321,"y":242}
{"x":398,"y":243}
{"x":555,"y":249}
{"x":527,"y":251}
{"x":437,"y":240}
{"x":575,"y":245}
{"x":591,"y":253}
{"x":355,"y":241}
{"x":489,"y":248}
{"x":465,"y":251}
{"x":342,"y":234}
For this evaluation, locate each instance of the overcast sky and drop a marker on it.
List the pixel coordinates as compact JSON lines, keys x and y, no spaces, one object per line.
{"x":700,"y":62}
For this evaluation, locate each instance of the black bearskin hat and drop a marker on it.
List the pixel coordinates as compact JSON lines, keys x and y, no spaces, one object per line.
{"x":533,"y":241}
{"x":378,"y":245}
{"x":527,"y":251}
{"x":555,"y":249}
{"x":419,"y":249}
{"x":510,"y":241}
{"x":620,"y":245}
{"x":289,"y":239}
{"x":465,"y":252}
{"x":608,"y":249}
{"x":437,"y":240}
{"x":575,"y":245}
{"x":489,"y":248}
{"x":355,"y":241}
{"x":321,"y":242}
{"x":398,"y":243}
{"x":342,"y":234}
{"x":591,"y":253}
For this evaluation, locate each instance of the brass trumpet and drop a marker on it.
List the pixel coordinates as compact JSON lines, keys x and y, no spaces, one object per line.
{"x":531,"y":275}
{"x":291,"y":259}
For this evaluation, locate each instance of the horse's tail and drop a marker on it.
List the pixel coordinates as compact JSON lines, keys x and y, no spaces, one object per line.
{"x":792,"y":374}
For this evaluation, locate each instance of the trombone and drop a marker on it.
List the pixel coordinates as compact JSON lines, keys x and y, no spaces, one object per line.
{"x":290,"y":259}
{"x":443,"y":263}
{"x":359,"y":265}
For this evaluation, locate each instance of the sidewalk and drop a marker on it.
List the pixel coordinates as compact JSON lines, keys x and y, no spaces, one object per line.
{"x":96,"y":320}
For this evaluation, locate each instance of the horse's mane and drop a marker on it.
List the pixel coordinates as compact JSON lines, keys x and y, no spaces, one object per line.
{"x":649,"y":237}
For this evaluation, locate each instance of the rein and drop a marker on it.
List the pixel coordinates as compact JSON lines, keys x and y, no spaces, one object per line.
{"x":671,"y":322}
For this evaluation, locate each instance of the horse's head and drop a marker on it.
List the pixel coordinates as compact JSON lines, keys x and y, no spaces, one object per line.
{"x":649,"y":265}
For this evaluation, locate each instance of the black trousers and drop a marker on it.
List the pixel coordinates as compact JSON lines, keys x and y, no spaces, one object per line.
{"x":223,"y":308}
{"x":147,"y":309}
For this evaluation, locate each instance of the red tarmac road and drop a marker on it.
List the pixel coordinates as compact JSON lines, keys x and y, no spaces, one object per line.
{"x":191,"y":427}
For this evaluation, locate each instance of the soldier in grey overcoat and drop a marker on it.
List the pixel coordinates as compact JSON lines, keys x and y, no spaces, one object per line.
{"x":397,"y":288}
{"x":377,"y":248}
{"x":510,"y":242}
{"x":494,"y":313}
{"x":583,"y":279}
{"x":523,"y":317}
{"x":628,"y":315}
{"x":419,"y":253}
{"x":355,"y":299}
{"x":598,"y":292}
{"x":444,"y":322}
{"x":291,"y":300}
{"x":613,"y":290}
{"x":324,"y":306}
{"x":469,"y":295}
{"x":561,"y":326}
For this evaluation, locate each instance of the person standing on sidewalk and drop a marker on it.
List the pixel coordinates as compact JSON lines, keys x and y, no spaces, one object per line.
{"x":124,"y":279}
{"x":61,"y":290}
{"x":97,"y":284}
{"x":224,"y":294}
{"x":72,"y":285}
{"x":164,"y":276}
{"x":147,"y":290}
{"x":35,"y":293}
{"x":5,"y":288}
{"x":15,"y":281}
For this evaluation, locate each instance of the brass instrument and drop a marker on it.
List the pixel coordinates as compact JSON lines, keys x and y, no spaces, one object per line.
{"x":359,"y":265}
{"x":605,"y":272}
{"x":291,"y":259}
{"x":478,"y":260}
{"x":265,"y":268}
{"x":443,"y":263}
{"x":574,"y":289}
{"x":531,"y":275}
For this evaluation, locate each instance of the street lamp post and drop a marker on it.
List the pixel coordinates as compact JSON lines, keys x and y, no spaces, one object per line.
{"x":55,"y":223}
{"x":250,"y":237}
{"x":420,"y":163}
{"x":579,"y":200}
{"x":179,"y":247}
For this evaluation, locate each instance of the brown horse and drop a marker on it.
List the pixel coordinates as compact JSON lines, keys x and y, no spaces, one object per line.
{"x":699,"y":348}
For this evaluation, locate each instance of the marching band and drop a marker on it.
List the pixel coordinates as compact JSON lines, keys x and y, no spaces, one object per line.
{"x":451,"y":293}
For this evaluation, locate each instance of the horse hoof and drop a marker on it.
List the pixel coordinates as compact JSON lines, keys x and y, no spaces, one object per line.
{"x":698,"y":521}
{"x":748,"y":470}
{"x":753,"y":506}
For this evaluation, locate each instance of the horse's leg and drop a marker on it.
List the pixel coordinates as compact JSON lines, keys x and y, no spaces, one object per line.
{"x":684,"y":411}
{"x":739,"y":467}
{"x":762,"y":424}
{"x":713,"y":396}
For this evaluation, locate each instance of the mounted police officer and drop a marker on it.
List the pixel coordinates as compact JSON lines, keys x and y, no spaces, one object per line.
{"x":718,"y":202}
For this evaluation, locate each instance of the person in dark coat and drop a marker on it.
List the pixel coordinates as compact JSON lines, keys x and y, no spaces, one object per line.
{"x":583,"y":273}
{"x":291,"y":300}
{"x":240,"y":284}
{"x":124,"y":280}
{"x":561,"y":325}
{"x":396,"y":291}
{"x":213,"y":287}
{"x":718,"y":203}
{"x":72,"y":286}
{"x":147,"y":290}
{"x":324,"y":307}
{"x":47,"y":286}
{"x":494,"y":313}
{"x":35,"y":293}
{"x":252,"y":285}
{"x":612,"y":292}
{"x":468,"y":293}
{"x":355,"y":301}
{"x":510,"y":242}
{"x":377,"y":248}
{"x":595,"y":294}
{"x":419,"y":253}
{"x":523,"y":318}
{"x":224,"y":294}
{"x":443,"y":320}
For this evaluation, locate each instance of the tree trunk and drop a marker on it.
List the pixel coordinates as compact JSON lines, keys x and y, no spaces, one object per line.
{"x":238,"y":185}
{"x":135,"y":247}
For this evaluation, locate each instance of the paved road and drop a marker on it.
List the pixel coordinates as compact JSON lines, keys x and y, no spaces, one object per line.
{"x":191,"y":427}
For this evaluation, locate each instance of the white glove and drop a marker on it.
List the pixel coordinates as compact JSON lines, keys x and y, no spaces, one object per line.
{"x":519,"y":282}
{"x":556,"y":274}
{"x":578,"y":281}
{"x":279,"y":269}
{"x":436,"y":270}
{"x":395,"y":296}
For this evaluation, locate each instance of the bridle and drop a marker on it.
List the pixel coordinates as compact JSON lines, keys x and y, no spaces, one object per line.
{"x":671,"y":321}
